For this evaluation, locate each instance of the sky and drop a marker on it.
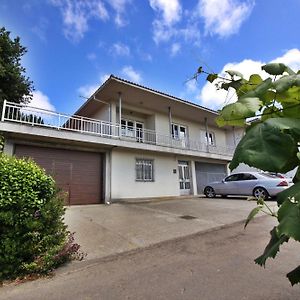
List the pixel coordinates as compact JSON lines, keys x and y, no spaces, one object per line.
{"x":74,"y":45}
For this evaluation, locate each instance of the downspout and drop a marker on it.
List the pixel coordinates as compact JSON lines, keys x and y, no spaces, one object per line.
{"x":234,"y":137}
{"x":206,"y":134}
{"x":120,"y":113}
{"x":170,"y":124}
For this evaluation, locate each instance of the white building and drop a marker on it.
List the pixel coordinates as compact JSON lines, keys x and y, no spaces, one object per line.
{"x":125,"y":141}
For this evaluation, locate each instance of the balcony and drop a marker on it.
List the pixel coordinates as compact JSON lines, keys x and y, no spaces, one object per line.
{"x":33,"y":116}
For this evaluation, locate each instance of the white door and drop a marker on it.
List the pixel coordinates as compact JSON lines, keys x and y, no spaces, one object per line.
{"x":139,"y":131}
{"x":184,"y":177}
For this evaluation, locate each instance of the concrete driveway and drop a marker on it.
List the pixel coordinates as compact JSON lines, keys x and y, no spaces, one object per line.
{"x":104,"y":230}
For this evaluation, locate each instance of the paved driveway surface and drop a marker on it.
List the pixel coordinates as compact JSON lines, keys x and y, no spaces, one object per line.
{"x":103,"y":230}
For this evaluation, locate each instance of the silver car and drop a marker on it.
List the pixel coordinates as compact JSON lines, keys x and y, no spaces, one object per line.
{"x":260,"y":185}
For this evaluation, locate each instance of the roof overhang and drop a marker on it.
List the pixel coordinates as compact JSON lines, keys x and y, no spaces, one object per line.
{"x":144,"y":98}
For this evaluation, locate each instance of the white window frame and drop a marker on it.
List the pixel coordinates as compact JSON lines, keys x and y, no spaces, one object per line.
{"x":178,"y":131}
{"x":143,"y":164}
{"x":211,"y":139}
{"x":132,"y":131}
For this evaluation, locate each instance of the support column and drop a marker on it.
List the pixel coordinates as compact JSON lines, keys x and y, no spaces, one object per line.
{"x":194,"y":178}
{"x":234,"y":137}
{"x":120,"y":113}
{"x":206,"y":134}
{"x":107,"y":176}
{"x":170,"y":120}
{"x":9,"y":147}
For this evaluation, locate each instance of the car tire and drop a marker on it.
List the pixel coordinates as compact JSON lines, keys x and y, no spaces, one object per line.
{"x":260,"y":193}
{"x":209,"y":192}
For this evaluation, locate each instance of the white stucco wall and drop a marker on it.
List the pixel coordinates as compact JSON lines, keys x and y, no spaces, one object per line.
{"x":124,"y":185}
{"x":101,"y":114}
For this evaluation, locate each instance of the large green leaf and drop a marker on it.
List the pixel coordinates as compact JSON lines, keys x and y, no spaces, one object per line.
{"x":293,"y":192}
{"x":294,"y":276}
{"x":233,"y":73}
{"x":292,"y":95}
{"x":269,"y":146}
{"x":289,"y":219}
{"x":252,"y":214}
{"x":272,"y":248}
{"x":274,"y":68}
{"x":285,"y":82}
{"x":236,"y":113}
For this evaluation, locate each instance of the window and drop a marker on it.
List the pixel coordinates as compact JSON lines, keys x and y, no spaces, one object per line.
{"x":132,"y":129}
{"x":144,"y":170}
{"x":208,"y":138}
{"x":178,"y":131}
{"x":234,"y":177}
{"x":247,"y":176}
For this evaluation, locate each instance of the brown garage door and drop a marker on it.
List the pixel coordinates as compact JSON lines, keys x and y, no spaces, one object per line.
{"x":76,"y":172}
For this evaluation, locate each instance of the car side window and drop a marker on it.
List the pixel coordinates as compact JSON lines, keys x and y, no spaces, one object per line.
{"x":248,"y":176}
{"x":234,"y":177}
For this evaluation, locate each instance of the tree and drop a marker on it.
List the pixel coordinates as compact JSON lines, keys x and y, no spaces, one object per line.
{"x":14,"y":85}
{"x":271,"y":142}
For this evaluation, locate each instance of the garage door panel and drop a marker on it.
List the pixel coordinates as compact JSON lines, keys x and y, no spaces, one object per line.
{"x":208,"y":172}
{"x":75,"y":172}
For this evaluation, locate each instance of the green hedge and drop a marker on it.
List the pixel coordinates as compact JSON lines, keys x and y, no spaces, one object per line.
{"x":33,"y":236}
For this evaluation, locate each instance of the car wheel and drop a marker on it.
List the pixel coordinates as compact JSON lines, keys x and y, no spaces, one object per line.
{"x":209,"y":192}
{"x":260,"y":193}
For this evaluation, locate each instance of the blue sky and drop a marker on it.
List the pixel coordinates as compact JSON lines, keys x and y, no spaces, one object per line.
{"x":73,"y":45}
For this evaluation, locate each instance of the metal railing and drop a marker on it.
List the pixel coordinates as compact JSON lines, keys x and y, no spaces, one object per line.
{"x":44,"y":118}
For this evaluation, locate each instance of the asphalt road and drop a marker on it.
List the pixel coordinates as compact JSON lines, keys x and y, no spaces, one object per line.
{"x":215,"y":265}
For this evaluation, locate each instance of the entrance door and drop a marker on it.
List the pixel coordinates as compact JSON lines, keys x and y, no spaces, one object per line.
{"x":139,"y":131}
{"x":184,"y":177}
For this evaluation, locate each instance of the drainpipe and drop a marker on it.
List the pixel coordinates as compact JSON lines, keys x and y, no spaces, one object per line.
{"x":234,"y":137}
{"x":120,"y":113}
{"x":206,"y":133}
{"x":170,"y":123}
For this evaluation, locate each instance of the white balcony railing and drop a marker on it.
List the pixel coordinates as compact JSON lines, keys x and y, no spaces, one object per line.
{"x":44,"y":118}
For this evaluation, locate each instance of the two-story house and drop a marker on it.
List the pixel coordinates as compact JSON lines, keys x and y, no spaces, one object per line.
{"x":125,"y":141}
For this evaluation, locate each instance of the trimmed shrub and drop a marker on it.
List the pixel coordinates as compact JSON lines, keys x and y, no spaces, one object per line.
{"x":33,"y":236}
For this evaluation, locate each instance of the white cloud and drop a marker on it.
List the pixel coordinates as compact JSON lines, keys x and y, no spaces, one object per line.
{"x":119,"y":7}
{"x":120,"y":49}
{"x":169,"y":9}
{"x":91,"y":56}
{"x":291,"y":58}
{"x":224,"y":17}
{"x":168,"y":14}
{"x":210,"y":97}
{"x":131,"y":74}
{"x":191,"y":86}
{"x":169,"y":23}
{"x":77,"y":14}
{"x":175,"y":49}
{"x":88,"y":89}
{"x":41,"y":100}
{"x":40,"y":29}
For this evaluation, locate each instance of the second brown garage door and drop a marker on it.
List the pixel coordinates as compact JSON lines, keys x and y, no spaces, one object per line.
{"x":76,"y":172}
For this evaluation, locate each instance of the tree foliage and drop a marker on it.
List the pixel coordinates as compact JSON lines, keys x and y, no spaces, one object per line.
{"x":271,"y":142}
{"x":14,"y":85}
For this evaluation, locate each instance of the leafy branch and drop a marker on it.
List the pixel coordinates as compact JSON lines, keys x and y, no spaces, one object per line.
{"x":271,"y":143}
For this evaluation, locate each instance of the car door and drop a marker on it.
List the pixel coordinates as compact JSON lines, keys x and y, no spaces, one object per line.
{"x":246,"y":184}
{"x":229,"y":185}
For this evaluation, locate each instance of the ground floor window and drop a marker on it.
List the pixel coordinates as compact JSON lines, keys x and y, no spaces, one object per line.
{"x":144,"y":170}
